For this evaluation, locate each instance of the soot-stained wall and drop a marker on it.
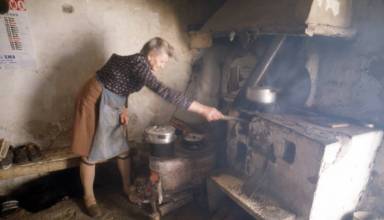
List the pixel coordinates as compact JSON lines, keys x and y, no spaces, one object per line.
{"x":350,"y":78}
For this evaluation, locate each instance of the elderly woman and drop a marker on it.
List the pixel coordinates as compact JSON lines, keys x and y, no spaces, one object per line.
{"x":102,"y":102}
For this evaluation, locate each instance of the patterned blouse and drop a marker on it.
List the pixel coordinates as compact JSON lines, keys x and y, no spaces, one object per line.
{"x":124,"y":75}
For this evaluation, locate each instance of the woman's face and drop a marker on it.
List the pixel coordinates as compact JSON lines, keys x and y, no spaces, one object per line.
{"x":157,"y":60}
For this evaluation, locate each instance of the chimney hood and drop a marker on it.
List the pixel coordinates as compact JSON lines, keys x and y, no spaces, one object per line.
{"x":297,"y":17}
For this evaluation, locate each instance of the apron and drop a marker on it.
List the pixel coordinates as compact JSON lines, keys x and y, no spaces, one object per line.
{"x":110,"y":137}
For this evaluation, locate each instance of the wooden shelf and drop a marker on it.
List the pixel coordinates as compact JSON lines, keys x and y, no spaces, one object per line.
{"x":53,"y":160}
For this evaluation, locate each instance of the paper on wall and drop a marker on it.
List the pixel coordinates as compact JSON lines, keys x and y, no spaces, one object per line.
{"x":16,"y":50}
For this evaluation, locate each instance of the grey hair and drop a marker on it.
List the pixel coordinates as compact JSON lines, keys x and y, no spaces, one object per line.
{"x":158,"y":44}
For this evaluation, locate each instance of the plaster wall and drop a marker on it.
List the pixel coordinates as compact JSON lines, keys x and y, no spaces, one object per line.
{"x":37,"y":104}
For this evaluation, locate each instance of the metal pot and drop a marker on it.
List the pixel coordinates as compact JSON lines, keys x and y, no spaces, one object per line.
{"x":262,"y":95}
{"x":193,"y":141}
{"x":162,"y":150}
{"x":160,"y":134}
{"x":193,"y":137}
{"x":161,"y":140}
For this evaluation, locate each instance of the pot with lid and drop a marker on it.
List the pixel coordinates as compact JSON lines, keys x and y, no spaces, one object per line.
{"x":262,"y":95}
{"x":193,"y":141}
{"x":161,"y":140}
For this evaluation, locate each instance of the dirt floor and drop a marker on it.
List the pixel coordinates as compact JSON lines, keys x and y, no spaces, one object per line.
{"x":40,"y":199}
{"x":114,"y":206}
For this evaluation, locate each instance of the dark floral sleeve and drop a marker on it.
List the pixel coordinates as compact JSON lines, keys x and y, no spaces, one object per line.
{"x":144,"y":73}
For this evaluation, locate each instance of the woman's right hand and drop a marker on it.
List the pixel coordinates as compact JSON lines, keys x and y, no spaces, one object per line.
{"x":212,"y":114}
{"x":209,"y":113}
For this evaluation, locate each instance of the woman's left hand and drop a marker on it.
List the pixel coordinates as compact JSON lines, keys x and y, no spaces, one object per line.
{"x":124,"y":117}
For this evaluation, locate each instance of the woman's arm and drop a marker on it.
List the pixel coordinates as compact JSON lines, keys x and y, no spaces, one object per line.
{"x":173,"y":96}
{"x":176,"y":97}
{"x":144,"y":74}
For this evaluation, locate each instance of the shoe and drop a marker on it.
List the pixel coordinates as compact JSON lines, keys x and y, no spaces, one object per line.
{"x":131,"y":195}
{"x":94,"y":211}
{"x":9,"y":206}
{"x":20,"y":155}
{"x":33,"y":152}
{"x":7,"y":161}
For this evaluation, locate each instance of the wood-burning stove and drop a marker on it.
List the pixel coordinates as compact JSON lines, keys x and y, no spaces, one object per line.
{"x":310,"y":169}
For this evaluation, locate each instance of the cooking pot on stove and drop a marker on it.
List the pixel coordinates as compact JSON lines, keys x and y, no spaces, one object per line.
{"x":262,"y":94}
{"x":193,"y":141}
{"x":161,"y":140}
{"x":160,"y":134}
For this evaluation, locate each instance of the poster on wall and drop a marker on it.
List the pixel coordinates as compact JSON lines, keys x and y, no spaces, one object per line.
{"x":16,"y":49}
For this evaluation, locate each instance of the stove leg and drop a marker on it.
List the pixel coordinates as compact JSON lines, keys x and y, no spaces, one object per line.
{"x":155,"y":215}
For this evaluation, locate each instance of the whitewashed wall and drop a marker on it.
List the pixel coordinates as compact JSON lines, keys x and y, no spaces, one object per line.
{"x":37,"y":105}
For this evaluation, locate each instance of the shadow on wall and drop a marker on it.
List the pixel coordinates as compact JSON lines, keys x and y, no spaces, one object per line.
{"x":52,"y":106}
{"x":195,"y":13}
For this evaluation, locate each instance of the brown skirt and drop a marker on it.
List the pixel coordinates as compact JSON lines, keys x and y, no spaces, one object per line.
{"x":85,"y":117}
